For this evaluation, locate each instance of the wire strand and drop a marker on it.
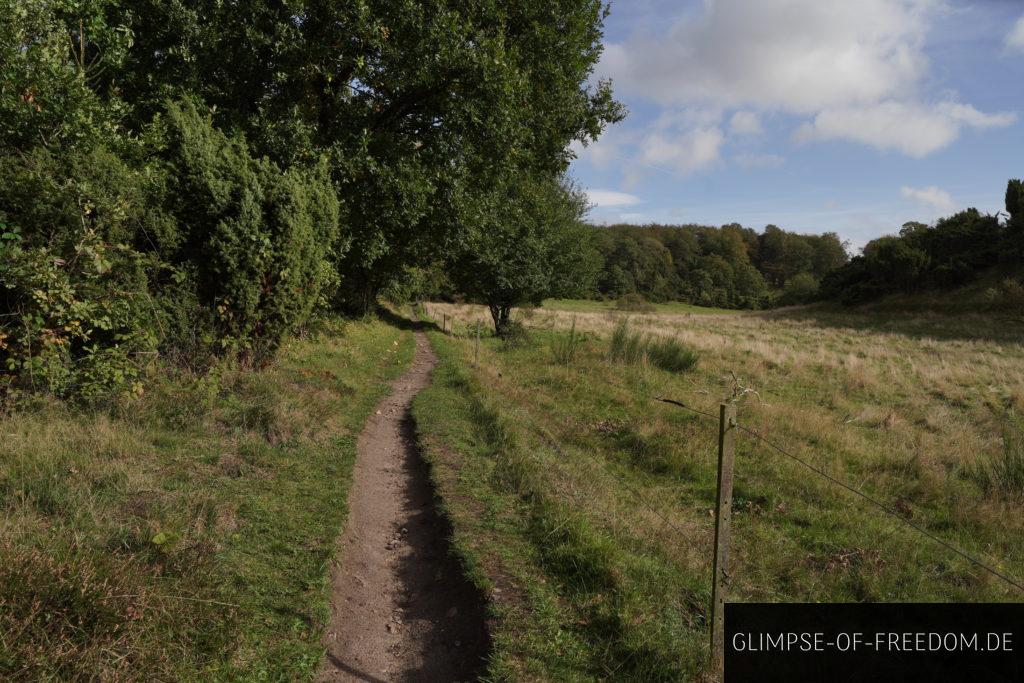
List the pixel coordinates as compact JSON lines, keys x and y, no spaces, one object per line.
{"x":882,"y":506}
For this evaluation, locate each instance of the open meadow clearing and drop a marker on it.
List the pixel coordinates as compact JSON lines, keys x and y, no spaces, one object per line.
{"x":588,"y":504}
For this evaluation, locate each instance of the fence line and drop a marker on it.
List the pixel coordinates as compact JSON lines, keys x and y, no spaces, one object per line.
{"x":877,"y":503}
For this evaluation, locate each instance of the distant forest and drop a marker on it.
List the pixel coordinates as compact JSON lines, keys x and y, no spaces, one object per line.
{"x":727,"y":267}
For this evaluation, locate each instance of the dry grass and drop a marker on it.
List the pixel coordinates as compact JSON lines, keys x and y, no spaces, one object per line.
{"x":914,"y":411}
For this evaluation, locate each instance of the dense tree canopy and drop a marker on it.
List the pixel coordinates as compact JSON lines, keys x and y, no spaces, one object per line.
{"x":248,"y":162}
{"x":730,"y":266}
{"x":952,"y":252}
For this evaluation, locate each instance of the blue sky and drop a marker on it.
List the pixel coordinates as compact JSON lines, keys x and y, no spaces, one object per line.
{"x":814,"y":115}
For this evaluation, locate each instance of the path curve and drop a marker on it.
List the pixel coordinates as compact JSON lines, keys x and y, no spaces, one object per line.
{"x":401,"y":607}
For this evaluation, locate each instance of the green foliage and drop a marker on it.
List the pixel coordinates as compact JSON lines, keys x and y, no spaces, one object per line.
{"x":726,"y":267}
{"x":950,"y":253}
{"x":671,"y":354}
{"x":799,"y":289}
{"x":260,"y":239}
{"x":526,"y":245}
{"x":52,"y":59}
{"x":74,"y":327}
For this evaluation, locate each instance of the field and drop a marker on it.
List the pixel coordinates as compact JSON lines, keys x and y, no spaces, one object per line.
{"x":594,"y":306}
{"x":585,"y":506}
{"x":189,"y":536}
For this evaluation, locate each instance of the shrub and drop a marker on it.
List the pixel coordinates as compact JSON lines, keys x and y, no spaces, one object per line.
{"x":635,"y":303}
{"x":75,"y":327}
{"x":627,"y":346}
{"x":564,"y":347}
{"x":799,"y":289}
{"x":514,"y":335}
{"x":671,"y":354}
{"x":259,"y":239}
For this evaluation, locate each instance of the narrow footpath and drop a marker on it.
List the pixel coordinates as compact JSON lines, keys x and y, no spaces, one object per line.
{"x":401,"y":607}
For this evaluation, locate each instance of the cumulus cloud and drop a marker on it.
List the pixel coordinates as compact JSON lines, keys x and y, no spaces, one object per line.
{"x":605,"y":198}
{"x":930,"y":197}
{"x":1015,"y":38}
{"x":799,"y":55}
{"x":683,"y":152}
{"x":856,"y":69}
{"x":914,"y":129}
{"x":745,"y":123}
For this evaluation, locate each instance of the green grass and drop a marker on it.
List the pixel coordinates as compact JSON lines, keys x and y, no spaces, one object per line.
{"x":671,"y":354}
{"x":671,"y":307}
{"x":559,"y":479}
{"x":190,"y":536}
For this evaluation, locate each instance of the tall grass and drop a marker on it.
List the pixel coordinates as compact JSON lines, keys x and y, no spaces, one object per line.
{"x":1003,"y":472}
{"x":564,"y":347}
{"x":627,"y":346}
{"x":668,"y":353}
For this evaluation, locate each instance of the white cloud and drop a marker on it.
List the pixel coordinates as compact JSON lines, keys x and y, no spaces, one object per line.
{"x":682,"y":151}
{"x":603,"y":198}
{"x":759,"y":161}
{"x":856,"y":69}
{"x":795,"y":55}
{"x":745,"y":123}
{"x":914,"y":129}
{"x":931,"y":197}
{"x":1015,"y":38}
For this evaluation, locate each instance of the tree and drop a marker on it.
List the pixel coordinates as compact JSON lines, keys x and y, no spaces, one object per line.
{"x":527,"y":243}
{"x":419,"y":104}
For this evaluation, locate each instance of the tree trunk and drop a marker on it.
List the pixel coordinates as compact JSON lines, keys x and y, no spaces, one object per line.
{"x":501,"y":316}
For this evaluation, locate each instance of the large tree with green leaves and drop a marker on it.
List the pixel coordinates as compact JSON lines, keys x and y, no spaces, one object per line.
{"x":417,"y":103}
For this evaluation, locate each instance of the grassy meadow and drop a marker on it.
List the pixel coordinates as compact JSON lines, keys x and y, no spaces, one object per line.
{"x":585,"y":505}
{"x":188,"y":536}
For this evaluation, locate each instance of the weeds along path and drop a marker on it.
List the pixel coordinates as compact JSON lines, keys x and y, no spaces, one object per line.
{"x":402,"y":609}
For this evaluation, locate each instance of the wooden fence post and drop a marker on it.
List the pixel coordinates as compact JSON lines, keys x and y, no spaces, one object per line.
{"x":723,"y":515}
{"x":476,"y":360}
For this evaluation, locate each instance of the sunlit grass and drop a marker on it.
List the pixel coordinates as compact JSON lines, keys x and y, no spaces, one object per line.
{"x":908,"y":409}
{"x":188,"y":537}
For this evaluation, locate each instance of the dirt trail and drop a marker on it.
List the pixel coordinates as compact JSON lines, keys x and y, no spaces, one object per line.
{"x":401,"y":608}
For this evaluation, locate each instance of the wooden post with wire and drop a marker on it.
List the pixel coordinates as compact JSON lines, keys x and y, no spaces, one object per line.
{"x":476,"y":360}
{"x":723,"y":515}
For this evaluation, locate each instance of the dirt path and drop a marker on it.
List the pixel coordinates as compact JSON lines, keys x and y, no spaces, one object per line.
{"x":401,"y":609}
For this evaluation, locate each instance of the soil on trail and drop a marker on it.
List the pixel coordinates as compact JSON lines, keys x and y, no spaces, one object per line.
{"x":401,"y":607}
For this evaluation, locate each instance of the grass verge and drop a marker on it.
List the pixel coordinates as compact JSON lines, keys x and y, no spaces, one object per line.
{"x":190,"y":536}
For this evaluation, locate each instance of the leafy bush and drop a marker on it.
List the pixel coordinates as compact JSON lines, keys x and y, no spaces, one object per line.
{"x":564,"y":347}
{"x":799,"y":289}
{"x":626,"y":346}
{"x":514,"y":335}
{"x":259,"y":239}
{"x":671,"y":354}
{"x":1008,"y":296}
{"x":75,"y":327}
{"x":634,"y":302}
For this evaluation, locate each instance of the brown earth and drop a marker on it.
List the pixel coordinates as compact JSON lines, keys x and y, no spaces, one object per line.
{"x":402,"y":609}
